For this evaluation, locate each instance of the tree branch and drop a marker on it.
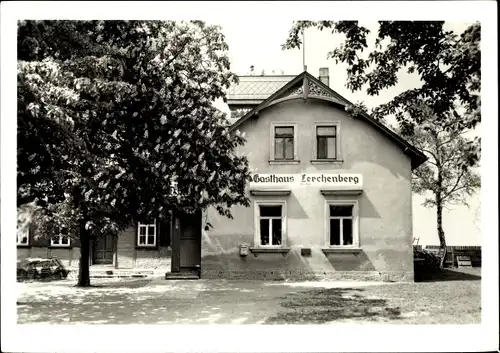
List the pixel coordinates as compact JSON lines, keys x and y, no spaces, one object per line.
{"x":454,"y":188}
{"x":431,"y":153}
{"x":454,"y":134}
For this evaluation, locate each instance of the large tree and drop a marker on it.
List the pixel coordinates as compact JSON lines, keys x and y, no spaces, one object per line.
{"x":448,"y":65}
{"x":112,"y":114}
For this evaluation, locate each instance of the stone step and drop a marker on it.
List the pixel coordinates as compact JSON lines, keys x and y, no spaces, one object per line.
{"x":119,"y":273}
{"x":182,"y":275}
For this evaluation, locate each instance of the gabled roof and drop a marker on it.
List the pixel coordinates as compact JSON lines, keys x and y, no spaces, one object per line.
{"x":256,"y":88}
{"x":307,"y":85}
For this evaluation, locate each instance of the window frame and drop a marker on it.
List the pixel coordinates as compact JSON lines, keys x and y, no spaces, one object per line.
{"x":355,"y":223}
{"x":138,"y":234}
{"x":257,"y":218}
{"x":326,"y":137}
{"x":26,"y":235}
{"x":60,"y":245}
{"x":272,"y":145}
{"x":338,"y":152}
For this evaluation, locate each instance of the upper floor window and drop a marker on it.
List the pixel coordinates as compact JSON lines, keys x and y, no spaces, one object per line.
{"x":326,"y":142}
{"x":284,"y":143}
{"x":60,"y":240}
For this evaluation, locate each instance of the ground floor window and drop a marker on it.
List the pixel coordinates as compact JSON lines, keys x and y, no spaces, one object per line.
{"x":342,"y":224}
{"x":270,"y":221}
{"x":146,"y":234}
{"x":60,"y":240}
{"x":23,"y":236}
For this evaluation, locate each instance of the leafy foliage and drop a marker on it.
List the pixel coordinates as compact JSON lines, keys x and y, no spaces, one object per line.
{"x":449,"y":171}
{"x":113,"y":114}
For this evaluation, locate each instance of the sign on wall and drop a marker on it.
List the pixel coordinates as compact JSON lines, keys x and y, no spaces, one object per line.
{"x":308,"y":179}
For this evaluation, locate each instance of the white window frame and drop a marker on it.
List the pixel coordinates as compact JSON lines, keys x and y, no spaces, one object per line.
{"x":23,"y":234}
{"x":272,"y":158}
{"x":60,"y":245}
{"x":338,"y":151}
{"x":147,"y":226}
{"x":257,"y":218}
{"x":355,"y":222}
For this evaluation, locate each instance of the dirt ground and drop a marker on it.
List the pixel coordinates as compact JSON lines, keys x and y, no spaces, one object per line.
{"x":451,"y":298}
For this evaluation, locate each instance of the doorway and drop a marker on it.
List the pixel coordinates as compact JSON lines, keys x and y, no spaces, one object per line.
{"x":103,"y":250}
{"x":186,"y":243}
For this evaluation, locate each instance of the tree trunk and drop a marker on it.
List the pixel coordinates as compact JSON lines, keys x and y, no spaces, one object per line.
{"x":83,"y":271}
{"x":442,"y":240}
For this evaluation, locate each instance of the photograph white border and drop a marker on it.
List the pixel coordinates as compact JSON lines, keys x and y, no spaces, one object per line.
{"x":230,"y":338}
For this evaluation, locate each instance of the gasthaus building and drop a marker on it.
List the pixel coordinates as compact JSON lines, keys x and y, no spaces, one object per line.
{"x":330,"y":199}
{"x":331,"y":194}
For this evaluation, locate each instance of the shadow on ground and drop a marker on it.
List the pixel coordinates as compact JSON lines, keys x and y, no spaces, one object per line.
{"x":143,"y":302}
{"x":326,"y":305}
{"x":449,"y":275}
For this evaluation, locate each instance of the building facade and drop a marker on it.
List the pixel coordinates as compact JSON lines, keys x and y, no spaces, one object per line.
{"x":146,"y":246}
{"x":331,"y":193}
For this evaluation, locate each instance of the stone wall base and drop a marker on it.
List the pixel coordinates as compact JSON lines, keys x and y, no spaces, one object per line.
{"x":284,"y":275}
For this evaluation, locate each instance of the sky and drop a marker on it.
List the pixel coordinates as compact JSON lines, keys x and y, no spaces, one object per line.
{"x":259,"y":44}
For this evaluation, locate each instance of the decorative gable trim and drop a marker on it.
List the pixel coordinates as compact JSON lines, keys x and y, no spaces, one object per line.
{"x":298,"y":92}
{"x":315,"y":90}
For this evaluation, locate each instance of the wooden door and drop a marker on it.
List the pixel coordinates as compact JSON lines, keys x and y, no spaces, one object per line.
{"x":186,"y":242}
{"x":190,"y":241}
{"x":103,"y":250}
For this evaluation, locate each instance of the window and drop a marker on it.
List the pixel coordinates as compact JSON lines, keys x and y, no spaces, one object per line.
{"x":326,"y":148}
{"x":284,"y":143}
{"x":270,"y":224}
{"x":60,"y":240}
{"x":342,"y":224}
{"x":326,"y":142}
{"x":146,"y":234}
{"x":23,"y":236}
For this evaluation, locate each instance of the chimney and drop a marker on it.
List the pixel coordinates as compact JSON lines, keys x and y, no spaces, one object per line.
{"x":324,"y":76}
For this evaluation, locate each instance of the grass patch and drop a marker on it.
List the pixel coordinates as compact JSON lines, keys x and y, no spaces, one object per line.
{"x":452,"y":299}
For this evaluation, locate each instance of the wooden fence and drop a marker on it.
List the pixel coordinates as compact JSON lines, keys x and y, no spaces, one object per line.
{"x":474,"y":252}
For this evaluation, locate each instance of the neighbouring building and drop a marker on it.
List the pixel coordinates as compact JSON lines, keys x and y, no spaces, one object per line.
{"x":330,"y":198}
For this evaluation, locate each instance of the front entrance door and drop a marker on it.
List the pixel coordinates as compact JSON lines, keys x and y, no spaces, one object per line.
{"x":103,"y":250}
{"x":186,"y":243}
